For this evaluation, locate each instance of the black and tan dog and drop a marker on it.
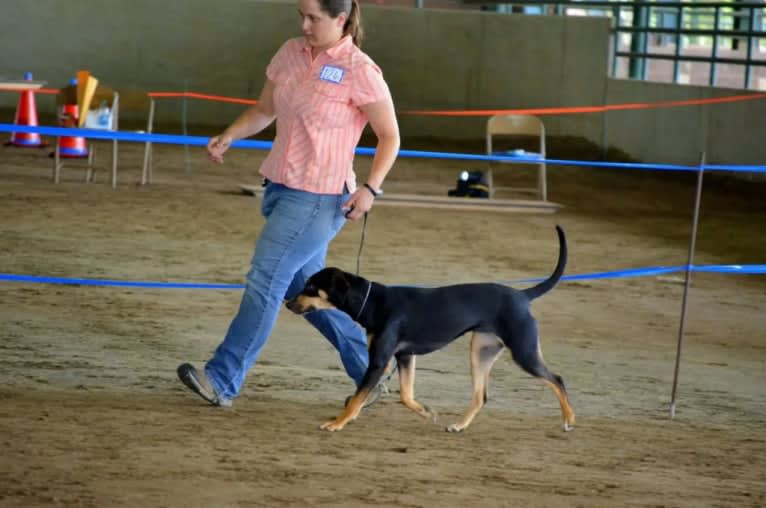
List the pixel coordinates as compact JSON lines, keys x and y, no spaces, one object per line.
{"x":404,"y":322}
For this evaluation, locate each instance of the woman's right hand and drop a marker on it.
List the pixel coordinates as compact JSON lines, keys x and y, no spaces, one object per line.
{"x":217,"y":146}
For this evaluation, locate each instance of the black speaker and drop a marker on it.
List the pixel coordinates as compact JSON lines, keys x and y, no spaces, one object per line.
{"x":470,"y":184}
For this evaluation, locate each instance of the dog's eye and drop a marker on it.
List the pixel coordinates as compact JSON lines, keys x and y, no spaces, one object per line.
{"x":310,"y":290}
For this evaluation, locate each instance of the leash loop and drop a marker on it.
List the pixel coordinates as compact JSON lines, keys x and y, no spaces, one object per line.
{"x":364,"y":302}
{"x":361,"y":244}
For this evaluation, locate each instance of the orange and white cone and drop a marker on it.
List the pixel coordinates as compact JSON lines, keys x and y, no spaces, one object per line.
{"x":26,"y":114}
{"x":71,"y":147}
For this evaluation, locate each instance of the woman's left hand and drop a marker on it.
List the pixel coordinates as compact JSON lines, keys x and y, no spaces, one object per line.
{"x":358,"y":204}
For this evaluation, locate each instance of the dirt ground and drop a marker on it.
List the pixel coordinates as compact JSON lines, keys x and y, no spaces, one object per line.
{"x":93,"y":415}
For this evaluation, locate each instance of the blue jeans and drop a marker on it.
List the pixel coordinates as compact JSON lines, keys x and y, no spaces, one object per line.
{"x":291,"y":247}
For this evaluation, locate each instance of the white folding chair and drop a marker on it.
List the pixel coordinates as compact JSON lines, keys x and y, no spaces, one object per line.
{"x":136,"y":100}
{"x":519,"y":125}
{"x":68,"y":95}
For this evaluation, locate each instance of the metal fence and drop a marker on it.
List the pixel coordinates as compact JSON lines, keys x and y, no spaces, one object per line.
{"x":713,"y":43}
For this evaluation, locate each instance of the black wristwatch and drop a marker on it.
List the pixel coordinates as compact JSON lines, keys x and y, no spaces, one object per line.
{"x":375,"y":193}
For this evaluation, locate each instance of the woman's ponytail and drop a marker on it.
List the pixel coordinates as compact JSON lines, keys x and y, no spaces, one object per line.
{"x":353,"y":26}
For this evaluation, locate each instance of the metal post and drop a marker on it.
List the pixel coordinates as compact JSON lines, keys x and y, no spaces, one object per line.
{"x":146,"y":171}
{"x":187,"y":168}
{"x":689,"y":265}
{"x":616,"y":40}
{"x":605,"y":119}
{"x":736,"y":25}
{"x":679,"y":43}
{"x":637,"y":64}
{"x":750,"y":41}
{"x":713,"y":76}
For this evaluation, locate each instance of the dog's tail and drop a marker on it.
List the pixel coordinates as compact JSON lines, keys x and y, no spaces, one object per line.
{"x":546,"y":285}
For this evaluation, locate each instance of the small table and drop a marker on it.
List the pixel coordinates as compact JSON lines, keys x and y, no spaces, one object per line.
{"x":19,"y":85}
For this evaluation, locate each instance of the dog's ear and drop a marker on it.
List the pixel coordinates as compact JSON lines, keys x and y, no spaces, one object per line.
{"x":339,"y":287}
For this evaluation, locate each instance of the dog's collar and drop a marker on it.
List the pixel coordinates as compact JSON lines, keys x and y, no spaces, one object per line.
{"x":364,"y":302}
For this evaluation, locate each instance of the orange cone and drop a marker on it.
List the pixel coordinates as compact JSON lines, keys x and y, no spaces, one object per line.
{"x":26,"y":114}
{"x":71,"y":147}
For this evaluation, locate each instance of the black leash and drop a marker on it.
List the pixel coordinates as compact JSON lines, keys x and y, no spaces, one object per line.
{"x":375,"y":193}
{"x":386,"y":376}
{"x":361,"y":244}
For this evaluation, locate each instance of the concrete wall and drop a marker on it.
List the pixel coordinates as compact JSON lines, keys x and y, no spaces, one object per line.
{"x":729,"y":133}
{"x":431,"y":59}
{"x":215,"y":47}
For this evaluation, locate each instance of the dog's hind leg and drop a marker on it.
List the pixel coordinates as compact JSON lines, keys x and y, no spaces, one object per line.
{"x":529,"y":357}
{"x":485,"y":350}
{"x":406,"y":364}
{"x":492,"y":362}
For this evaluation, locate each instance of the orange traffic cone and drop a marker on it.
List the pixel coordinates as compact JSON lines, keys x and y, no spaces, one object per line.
{"x":71,"y":147}
{"x":26,"y":114}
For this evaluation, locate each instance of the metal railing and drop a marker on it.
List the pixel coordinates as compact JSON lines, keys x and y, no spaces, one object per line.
{"x":728,"y":36}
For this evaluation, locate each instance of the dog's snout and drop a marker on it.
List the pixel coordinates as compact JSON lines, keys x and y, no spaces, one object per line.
{"x":292,"y":305}
{"x":298,"y":305}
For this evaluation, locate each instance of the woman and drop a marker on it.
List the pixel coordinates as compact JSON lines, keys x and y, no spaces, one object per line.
{"x":322,"y":90}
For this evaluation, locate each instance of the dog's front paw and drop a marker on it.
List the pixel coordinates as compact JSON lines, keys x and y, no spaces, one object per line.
{"x":455,"y":428}
{"x":428,"y":413}
{"x":333,"y":426}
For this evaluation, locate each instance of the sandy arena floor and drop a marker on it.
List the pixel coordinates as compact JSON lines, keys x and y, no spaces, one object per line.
{"x":93,"y":414}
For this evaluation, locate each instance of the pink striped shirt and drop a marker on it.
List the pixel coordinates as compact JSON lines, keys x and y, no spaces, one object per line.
{"x":319,"y":122}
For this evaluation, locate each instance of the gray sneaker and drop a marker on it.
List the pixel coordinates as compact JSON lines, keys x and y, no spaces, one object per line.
{"x":197,"y":382}
{"x":374,"y":396}
{"x":391,"y":369}
{"x":381,"y":389}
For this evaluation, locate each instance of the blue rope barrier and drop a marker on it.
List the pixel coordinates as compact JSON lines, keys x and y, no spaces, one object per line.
{"x":636,"y":272}
{"x":142,"y":137}
{"x":35,"y":279}
{"x":734,"y":167}
{"x":135,"y":137}
{"x":656,"y":270}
